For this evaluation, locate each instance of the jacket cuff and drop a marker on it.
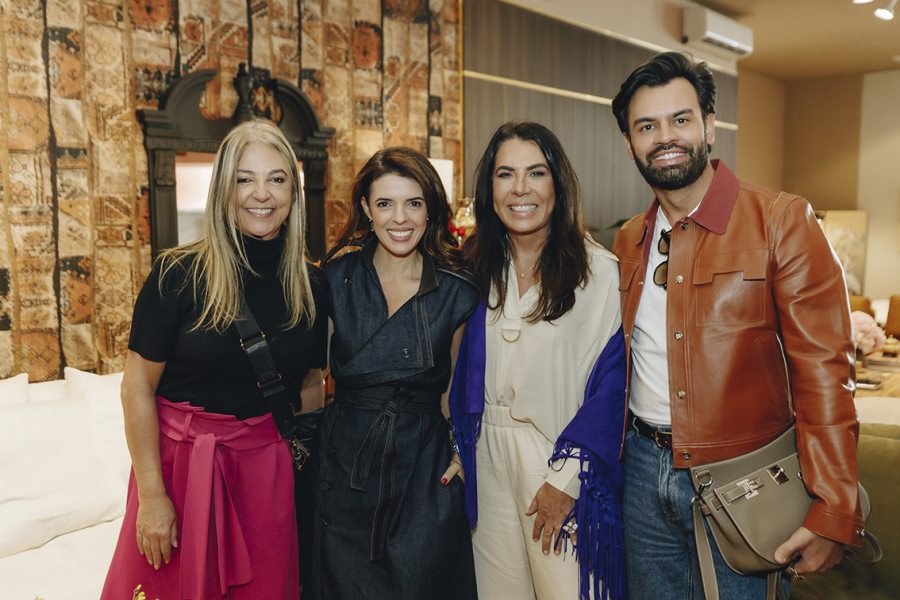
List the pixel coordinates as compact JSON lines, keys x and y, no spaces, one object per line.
{"x":846,"y":529}
{"x":563,"y":475}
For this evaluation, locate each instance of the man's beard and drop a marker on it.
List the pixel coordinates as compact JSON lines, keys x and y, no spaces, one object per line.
{"x":674,"y":177}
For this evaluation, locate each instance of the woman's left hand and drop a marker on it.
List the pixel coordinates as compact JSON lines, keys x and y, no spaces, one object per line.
{"x":551,"y":507}
{"x":455,"y":469}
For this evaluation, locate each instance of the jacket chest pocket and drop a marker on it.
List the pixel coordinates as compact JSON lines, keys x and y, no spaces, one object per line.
{"x":629,"y":278}
{"x":628,"y":270}
{"x":731,"y":287}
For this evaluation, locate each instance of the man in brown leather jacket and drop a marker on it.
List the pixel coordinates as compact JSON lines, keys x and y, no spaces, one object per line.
{"x":736,"y":323}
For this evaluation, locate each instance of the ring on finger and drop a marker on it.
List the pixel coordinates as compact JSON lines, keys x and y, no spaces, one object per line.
{"x":570,"y":527}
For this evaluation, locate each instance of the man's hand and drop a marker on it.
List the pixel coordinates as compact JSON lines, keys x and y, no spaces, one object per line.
{"x":551,"y":507}
{"x":816,"y":553}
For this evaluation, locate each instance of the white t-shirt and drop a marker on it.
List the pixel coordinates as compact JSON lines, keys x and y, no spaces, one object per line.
{"x":649,"y":362}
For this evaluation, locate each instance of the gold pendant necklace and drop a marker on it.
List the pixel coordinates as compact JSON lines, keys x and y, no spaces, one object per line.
{"x":522,"y":274}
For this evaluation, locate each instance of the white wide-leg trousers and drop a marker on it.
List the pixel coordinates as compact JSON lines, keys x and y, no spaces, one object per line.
{"x":512,"y":462}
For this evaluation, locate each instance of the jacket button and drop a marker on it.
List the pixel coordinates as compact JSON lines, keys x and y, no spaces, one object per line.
{"x":686,"y":455}
{"x":405,"y":353}
{"x":640,"y":283}
{"x":627,"y":335}
{"x":679,"y":279}
{"x":681,"y":394}
{"x":678,"y":335}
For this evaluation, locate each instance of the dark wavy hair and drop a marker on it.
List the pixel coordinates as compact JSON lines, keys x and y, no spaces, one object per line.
{"x":563,"y":262}
{"x":660,"y":70}
{"x":437,"y":241}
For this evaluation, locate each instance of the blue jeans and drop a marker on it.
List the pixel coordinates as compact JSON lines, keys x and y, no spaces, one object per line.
{"x":660,"y":551}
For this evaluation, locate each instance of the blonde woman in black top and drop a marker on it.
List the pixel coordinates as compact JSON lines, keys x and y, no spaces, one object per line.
{"x":210,"y":510}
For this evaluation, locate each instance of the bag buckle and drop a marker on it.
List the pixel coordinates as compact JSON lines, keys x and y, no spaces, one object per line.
{"x":299,"y":452}
{"x":704,"y":481}
{"x":748,"y":487}
{"x":248,"y":344}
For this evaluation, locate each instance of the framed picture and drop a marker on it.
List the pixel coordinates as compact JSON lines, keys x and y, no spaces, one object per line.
{"x":846,"y":232}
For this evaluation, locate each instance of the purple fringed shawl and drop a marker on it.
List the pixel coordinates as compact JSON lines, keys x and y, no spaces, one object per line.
{"x":594,"y":435}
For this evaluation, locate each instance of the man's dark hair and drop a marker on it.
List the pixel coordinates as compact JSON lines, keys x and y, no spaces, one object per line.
{"x":660,"y":70}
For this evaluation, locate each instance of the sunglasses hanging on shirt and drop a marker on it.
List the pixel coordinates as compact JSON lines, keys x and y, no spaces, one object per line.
{"x":661,"y":272}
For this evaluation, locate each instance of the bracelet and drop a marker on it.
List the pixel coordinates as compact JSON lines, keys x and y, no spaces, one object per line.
{"x":454,"y":446}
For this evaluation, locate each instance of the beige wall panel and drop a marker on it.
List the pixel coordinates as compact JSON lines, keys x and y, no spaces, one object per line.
{"x":822,"y":140}
{"x":760,"y":141}
{"x":568,"y":59}
{"x":879,"y":181}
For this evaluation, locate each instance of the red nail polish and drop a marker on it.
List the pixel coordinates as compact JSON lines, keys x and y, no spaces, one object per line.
{"x":443,"y":481}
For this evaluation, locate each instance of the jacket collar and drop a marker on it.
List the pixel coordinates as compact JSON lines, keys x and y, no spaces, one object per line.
{"x":428,"y":280}
{"x":714,"y":210}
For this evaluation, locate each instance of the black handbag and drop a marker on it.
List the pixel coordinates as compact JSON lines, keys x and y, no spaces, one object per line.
{"x":298,"y":430}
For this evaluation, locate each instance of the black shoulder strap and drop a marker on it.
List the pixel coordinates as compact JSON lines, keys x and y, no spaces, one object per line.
{"x":269,"y":380}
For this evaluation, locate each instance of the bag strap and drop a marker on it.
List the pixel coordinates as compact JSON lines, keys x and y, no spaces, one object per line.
{"x":704,"y":552}
{"x":269,"y":380}
{"x":869,"y":552}
{"x":774,"y":591}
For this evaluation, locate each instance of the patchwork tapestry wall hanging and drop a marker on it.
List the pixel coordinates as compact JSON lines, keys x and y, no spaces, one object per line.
{"x":74,"y":207}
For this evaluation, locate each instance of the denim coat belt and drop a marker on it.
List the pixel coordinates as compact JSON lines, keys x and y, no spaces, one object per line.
{"x":387,"y":402}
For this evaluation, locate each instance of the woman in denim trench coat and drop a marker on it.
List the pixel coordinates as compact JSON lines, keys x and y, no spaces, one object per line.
{"x":390,"y":519}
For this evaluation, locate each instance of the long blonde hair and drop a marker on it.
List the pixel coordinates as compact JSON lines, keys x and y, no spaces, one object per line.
{"x":215,"y":261}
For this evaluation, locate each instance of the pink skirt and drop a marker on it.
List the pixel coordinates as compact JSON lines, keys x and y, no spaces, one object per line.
{"x":232,"y":485}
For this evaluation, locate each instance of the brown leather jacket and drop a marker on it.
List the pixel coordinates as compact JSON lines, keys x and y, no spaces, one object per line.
{"x":759,"y":335}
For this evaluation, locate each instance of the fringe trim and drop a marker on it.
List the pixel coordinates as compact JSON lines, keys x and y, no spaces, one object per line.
{"x":599,"y":546}
{"x":467,"y":428}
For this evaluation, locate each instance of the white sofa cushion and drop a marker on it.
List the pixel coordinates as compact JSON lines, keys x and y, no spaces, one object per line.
{"x":54,"y":480}
{"x":102,"y":392}
{"x":14,"y":390}
{"x":78,"y":381}
{"x":70,"y":567}
{"x":109,"y":429}
{"x":46,"y":390}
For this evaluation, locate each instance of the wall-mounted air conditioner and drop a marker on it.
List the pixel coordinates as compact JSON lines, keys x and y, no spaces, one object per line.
{"x":702,"y":27}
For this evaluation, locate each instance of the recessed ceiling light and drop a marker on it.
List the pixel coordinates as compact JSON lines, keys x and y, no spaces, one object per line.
{"x":862,"y":1}
{"x":886,"y":13}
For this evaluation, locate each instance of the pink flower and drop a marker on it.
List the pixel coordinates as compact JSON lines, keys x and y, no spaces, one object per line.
{"x":867,"y":335}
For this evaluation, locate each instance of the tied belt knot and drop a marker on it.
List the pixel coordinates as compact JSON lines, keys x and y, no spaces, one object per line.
{"x":380,"y":441}
{"x":214,"y":553}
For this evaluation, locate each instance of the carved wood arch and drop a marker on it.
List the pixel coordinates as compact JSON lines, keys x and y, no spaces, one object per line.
{"x":179,"y":126}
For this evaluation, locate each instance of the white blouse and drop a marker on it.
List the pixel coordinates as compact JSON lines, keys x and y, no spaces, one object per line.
{"x":540,"y":370}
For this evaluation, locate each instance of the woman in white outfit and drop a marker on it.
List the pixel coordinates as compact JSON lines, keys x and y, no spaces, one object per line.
{"x":538,"y":395}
